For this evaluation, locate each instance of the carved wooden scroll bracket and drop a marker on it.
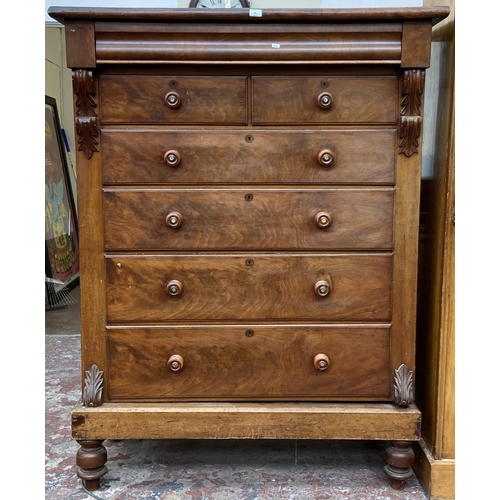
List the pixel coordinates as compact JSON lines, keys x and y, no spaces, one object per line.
{"x":410,"y":124}
{"x":92,"y":391}
{"x":403,"y":386}
{"x":86,"y":116}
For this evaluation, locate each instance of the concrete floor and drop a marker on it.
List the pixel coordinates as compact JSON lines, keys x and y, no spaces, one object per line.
{"x":199,"y":469}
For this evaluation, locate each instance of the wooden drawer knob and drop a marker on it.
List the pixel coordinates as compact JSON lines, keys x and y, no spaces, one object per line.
{"x":175,"y":362}
{"x":174,"y":220}
{"x":322,"y":288}
{"x":172,"y":158}
{"x":173,"y":100}
{"x":174,"y":288}
{"x":325,"y":100}
{"x":321,"y":362}
{"x":323,"y":220}
{"x":326,"y":157}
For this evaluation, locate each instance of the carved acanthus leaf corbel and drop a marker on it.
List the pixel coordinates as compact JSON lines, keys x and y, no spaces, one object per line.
{"x":92,"y":391}
{"x":403,"y":386}
{"x":410,"y":121}
{"x":86,"y":116}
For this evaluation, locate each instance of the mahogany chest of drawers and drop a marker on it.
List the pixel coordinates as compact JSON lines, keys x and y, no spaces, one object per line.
{"x":248,"y":190}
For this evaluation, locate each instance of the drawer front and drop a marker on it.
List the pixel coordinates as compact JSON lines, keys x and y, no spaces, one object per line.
{"x":143,"y":99}
{"x":252,"y":219}
{"x":223,"y":156}
{"x":349,"y":100}
{"x":249,"y":287}
{"x":238,"y":362}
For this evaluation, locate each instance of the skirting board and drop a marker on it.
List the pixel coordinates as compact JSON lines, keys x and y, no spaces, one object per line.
{"x":437,"y":476}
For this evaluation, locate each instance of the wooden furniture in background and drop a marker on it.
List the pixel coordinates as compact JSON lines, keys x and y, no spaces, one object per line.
{"x":435,"y":388}
{"x":249,"y":189}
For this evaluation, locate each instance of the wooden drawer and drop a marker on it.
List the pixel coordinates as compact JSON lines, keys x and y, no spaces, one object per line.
{"x":142,"y":99}
{"x":296,"y":100}
{"x":249,"y":362}
{"x":251,"y":219}
{"x":225,"y":156}
{"x":248,"y":287}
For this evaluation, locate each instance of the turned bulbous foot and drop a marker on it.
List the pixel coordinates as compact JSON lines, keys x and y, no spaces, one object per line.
{"x":399,"y":457}
{"x":90,"y":459}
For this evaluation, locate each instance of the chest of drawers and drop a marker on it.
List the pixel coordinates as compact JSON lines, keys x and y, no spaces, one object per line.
{"x":248,"y":190}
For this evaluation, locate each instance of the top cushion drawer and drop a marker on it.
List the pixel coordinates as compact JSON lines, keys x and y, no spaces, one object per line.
{"x":324,"y":100}
{"x":163,"y":99}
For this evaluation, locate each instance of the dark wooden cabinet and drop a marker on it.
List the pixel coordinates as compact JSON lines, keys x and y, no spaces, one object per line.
{"x":248,"y":192}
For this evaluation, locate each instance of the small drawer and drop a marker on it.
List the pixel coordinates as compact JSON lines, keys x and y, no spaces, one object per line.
{"x":225,"y":156}
{"x":164,"y":99}
{"x":299,"y":100}
{"x":240,"y":287}
{"x":249,"y":362}
{"x":248,"y":219}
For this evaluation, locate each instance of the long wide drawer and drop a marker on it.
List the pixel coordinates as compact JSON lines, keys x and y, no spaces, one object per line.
{"x":153,"y":288}
{"x":318,"y":100}
{"x":227,"y":156}
{"x":164,"y":99}
{"x":249,"y":362}
{"x":252,"y":219}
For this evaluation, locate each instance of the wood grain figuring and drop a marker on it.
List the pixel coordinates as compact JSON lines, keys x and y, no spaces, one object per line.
{"x":417,"y":44}
{"x":92,"y":263}
{"x":251,"y":156}
{"x":130,"y":99}
{"x":224,"y":219}
{"x":271,"y":363}
{"x":406,"y":213}
{"x":261,"y":228}
{"x":293,"y":100}
{"x":80,"y":44}
{"x":244,"y":46}
{"x":246,"y":421}
{"x":251,"y":286}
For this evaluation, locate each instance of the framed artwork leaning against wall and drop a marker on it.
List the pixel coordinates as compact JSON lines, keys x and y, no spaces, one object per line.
{"x":61,"y":231}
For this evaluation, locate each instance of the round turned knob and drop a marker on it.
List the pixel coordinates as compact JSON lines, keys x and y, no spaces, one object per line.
{"x":326,"y":157}
{"x":321,"y":362}
{"x":325,"y":100}
{"x":174,"y":288}
{"x":172,"y":158}
{"x":175,"y":362}
{"x":323,"y":220}
{"x":174,"y":219}
{"x":322,"y":288}
{"x":173,"y":100}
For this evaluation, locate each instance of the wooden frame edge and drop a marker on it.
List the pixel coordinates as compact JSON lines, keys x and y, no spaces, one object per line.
{"x":436,"y":476}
